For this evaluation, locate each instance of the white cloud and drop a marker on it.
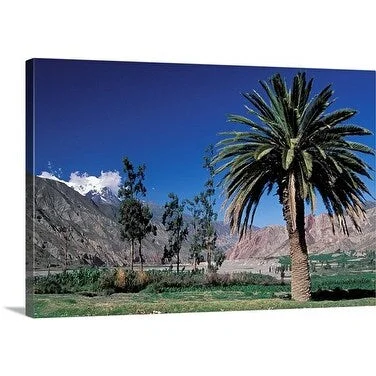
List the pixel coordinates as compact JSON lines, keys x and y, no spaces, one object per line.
{"x":111,"y":179}
{"x":83,"y":183}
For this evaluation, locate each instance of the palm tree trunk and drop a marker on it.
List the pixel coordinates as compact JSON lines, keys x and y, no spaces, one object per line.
{"x":300,"y":278}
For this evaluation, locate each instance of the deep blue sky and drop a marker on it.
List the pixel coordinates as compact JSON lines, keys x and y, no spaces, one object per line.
{"x":89,"y":114}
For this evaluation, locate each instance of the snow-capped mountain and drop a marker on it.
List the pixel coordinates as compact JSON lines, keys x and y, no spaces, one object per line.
{"x":102,"y":189}
{"x":96,"y":237}
{"x":104,"y":195}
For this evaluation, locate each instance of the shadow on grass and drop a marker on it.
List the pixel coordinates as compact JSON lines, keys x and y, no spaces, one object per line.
{"x":340,"y":294}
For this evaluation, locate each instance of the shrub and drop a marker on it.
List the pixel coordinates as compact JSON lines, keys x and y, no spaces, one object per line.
{"x":92,"y":280}
{"x":120,"y":279}
{"x":212,"y":279}
{"x":162,"y":281}
{"x":68,"y":282}
{"x":142,"y":279}
{"x":52,"y":284}
{"x":107,"y":281}
{"x":47,"y":286}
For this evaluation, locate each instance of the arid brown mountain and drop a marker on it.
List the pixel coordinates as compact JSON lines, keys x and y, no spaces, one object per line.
{"x":93,"y":238}
{"x":94,"y":235}
{"x":272,"y":241}
{"x":87,"y":228}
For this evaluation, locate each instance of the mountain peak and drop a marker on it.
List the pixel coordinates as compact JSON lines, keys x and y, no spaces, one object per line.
{"x":103,"y":188}
{"x":104,"y":194}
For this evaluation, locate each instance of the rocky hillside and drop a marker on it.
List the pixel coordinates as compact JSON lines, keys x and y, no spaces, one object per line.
{"x":92,"y":233}
{"x":87,"y":227}
{"x":272,"y":241}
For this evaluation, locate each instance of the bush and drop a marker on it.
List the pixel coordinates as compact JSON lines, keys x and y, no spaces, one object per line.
{"x":162,"y":281}
{"x":107,"y":281}
{"x":126,"y":281}
{"x":49,"y":286}
{"x":142,"y":279}
{"x":78,"y":280}
{"x":120,"y":279}
{"x":123,"y":280}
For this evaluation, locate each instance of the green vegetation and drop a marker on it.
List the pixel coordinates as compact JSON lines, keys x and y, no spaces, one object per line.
{"x":95,"y":291}
{"x":80,"y":280}
{"x":201,"y":208}
{"x":171,"y":302}
{"x":177,"y":230}
{"x":135,"y":216}
{"x":108,"y":281}
{"x":365,"y":281}
{"x":336,"y":261}
{"x":197,"y":244}
{"x":207,"y":200}
{"x":293,"y":144}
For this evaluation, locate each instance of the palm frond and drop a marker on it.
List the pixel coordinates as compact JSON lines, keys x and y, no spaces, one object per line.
{"x":297,"y":145}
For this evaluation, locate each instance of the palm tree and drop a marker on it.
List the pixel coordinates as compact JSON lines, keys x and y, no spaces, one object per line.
{"x":295,"y":145}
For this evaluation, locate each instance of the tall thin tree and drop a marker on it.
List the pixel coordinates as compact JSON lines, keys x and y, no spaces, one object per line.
{"x":145,"y":227}
{"x":177,"y":229}
{"x":196,"y":247}
{"x":135,"y":216}
{"x":209,"y":216}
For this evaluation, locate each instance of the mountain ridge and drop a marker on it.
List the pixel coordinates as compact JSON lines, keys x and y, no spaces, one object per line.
{"x":272,"y":241}
{"x":96,"y":240}
{"x":93,"y":226}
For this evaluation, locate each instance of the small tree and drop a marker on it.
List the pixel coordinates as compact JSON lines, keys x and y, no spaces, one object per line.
{"x":209,"y":234}
{"x":178,"y":231}
{"x":203,"y":221}
{"x":135,"y":216}
{"x":145,"y":227}
{"x":129,"y":222}
{"x":195,"y":250}
{"x":218,"y":259}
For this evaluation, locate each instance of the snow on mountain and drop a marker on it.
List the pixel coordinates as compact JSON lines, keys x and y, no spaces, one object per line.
{"x":47,"y":175}
{"x":99,"y":189}
{"x":104,"y":195}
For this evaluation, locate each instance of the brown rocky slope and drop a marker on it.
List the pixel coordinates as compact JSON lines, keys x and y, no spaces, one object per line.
{"x":272,"y":241}
{"x":94,"y":232}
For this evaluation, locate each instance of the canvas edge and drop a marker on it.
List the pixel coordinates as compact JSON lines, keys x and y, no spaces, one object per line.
{"x":30,"y":150}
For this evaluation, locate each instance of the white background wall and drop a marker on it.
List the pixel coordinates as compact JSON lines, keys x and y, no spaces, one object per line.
{"x":279,"y":33}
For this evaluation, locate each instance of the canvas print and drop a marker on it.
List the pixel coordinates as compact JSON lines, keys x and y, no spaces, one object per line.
{"x":165,"y":188}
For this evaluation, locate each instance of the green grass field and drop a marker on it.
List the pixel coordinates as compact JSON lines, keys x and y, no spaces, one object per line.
{"x":148,"y":303}
{"x":188,"y":300}
{"x":187,"y":293}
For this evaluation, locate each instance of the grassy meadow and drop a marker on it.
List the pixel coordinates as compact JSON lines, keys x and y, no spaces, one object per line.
{"x":173,"y":302}
{"x":101,"y":291}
